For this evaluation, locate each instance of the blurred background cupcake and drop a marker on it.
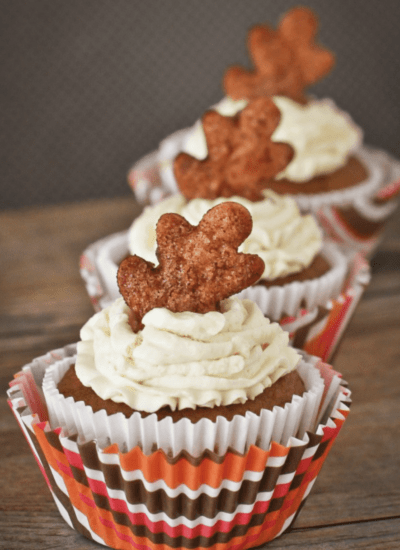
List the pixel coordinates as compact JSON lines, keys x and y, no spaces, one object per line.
{"x":350,"y":187}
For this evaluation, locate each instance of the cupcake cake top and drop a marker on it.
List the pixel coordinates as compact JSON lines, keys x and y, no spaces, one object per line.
{"x":179,"y":339}
{"x":286,"y":60}
{"x":286,"y":240}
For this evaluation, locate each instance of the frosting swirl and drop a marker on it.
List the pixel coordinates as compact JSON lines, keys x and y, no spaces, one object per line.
{"x":322,"y":136}
{"x":183,"y":360}
{"x":286,"y":240}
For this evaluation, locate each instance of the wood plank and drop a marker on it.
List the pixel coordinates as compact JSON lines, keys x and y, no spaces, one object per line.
{"x":43,"y":301}
{"x":46,"y":245}
{"x":371,"y":535}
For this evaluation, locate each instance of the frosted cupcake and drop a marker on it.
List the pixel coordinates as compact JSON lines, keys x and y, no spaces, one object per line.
{"x":327,"y":154}
{"x":213,"y":405}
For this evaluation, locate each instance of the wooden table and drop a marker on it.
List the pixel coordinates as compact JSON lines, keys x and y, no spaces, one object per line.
{"x":355,"y":502}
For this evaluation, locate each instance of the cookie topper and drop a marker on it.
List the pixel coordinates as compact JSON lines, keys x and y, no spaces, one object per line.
{"x":286,"y":61}
{"x":198,"y":265}
{"x":241,"y":159}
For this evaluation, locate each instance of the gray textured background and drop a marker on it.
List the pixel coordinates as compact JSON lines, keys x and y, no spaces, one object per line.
{"x":90,"y":86}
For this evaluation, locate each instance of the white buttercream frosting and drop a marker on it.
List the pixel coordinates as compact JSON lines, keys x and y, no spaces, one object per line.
{"x":183,"y":360}
{"x":322,"y":136}
{"x":286,"y":240}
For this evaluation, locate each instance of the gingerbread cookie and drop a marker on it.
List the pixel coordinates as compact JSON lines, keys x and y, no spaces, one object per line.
{"x":198,"y":265}
{"x":241,"y":159}
{"x":286,"y":61}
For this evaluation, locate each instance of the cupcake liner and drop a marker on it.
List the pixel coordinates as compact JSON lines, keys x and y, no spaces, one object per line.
{"x":98,"y":267}
{"x":319,"y":326}
{"x":286,"y":300}
{"x":346,"y":235}
{"x":374,"y":208}
{"x":239,"y":434}
{"x":216,"y":500}
{"x":324,"y":342}
{"x":315,"y":313}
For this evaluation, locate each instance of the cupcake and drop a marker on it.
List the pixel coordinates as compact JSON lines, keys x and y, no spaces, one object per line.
{"x":182,"y":417}
{"x":332,"y":174}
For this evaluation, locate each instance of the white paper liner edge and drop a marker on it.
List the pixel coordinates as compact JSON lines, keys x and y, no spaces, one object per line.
{"x":278,"y":301}
{"x":364,"y":203}
{"x":280,"y":424}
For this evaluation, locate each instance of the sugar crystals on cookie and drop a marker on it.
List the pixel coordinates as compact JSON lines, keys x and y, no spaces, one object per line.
{"x":198,"y":265}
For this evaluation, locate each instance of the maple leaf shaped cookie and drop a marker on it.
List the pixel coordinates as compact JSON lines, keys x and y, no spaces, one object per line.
{"x":241,"y":156}
{"x":286,"y":61}
{"x":198,"y":265}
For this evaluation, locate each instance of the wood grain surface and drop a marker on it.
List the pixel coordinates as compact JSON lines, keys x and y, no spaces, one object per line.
{"x":355,"y":503}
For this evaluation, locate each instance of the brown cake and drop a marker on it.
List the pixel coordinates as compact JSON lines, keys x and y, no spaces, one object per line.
{"x":318,"y":267}
{"x":349,"y":175}
{"x":280,"y":393}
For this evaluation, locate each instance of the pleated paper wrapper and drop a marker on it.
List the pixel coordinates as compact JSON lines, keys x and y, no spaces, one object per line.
{"x":242,"y":493}
{"x":315,"y":312}
{"x":371,"y":202}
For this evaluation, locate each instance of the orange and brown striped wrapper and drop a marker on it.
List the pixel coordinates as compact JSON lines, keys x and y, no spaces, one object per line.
{"x":157,"y":501}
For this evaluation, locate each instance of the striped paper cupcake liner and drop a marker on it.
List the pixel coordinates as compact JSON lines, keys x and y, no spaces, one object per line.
{"x":369,"y":203}
{"x":359,"y":226}
{"x":315,"y":327}
{"x":131,"y":499}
